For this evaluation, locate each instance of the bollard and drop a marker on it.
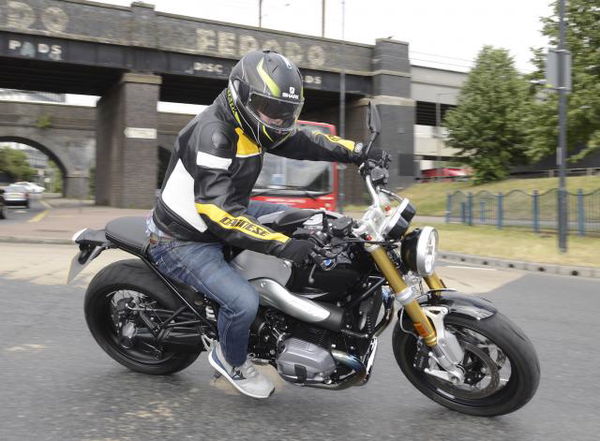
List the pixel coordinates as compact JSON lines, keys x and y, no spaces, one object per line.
{"x":500,"y":211}
{"x":580,"y":212}
{"x":536,"y":211}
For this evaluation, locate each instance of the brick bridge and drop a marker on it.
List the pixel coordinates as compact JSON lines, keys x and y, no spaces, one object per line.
{"x":134,"y":56}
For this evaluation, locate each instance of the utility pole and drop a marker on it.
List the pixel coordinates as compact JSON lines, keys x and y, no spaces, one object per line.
{"x":323,"y":18}
{"x":342,"y":103}
{"x":260,"y":13}
{"x":563,"y":59}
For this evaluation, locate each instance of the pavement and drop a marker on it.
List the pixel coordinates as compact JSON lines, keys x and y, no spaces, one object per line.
{"x":54,"y":220}
{"x":58,"y":385}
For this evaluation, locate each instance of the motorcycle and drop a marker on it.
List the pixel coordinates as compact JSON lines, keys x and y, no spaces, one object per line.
{"x":318,"y":325}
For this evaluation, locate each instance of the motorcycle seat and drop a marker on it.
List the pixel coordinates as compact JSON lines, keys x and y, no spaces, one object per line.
{"x":128,"y":233}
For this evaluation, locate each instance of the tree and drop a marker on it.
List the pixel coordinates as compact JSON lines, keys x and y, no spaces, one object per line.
{"x":14,"y":164}
{"x":583,"y":126}
{"x":487,"y":123}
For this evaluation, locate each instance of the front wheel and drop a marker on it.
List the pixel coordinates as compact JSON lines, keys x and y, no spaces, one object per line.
{"x":501,"y":368}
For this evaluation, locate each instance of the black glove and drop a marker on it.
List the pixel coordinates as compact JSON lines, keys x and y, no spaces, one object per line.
{"x":297,"y":250}
{"x":375,"y":154}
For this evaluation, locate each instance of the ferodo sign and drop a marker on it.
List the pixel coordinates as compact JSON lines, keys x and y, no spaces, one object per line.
{"x":231,"y":44}
{"x":141,"y":26}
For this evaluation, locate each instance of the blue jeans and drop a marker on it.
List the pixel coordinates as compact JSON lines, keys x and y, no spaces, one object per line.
{"x":202,"y":266}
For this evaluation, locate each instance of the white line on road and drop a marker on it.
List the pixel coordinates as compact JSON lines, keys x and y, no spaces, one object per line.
{"x":471,"y":267}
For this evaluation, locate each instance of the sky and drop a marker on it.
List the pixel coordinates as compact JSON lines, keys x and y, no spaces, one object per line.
{"x":441,"y":33}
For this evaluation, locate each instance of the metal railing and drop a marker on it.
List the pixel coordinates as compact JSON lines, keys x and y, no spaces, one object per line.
{"x":517,"y":208}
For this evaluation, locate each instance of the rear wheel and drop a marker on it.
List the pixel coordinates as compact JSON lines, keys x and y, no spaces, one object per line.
{"x":114,"y":303}
{"x":501,"y":369}
{"x":2,"y":212}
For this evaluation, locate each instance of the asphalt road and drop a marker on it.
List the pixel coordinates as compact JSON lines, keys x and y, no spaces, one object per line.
{"x":57,"y":384}
{"x":18,"y":213}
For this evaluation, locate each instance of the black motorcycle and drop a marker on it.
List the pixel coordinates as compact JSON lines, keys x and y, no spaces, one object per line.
{"x":318,"y":324}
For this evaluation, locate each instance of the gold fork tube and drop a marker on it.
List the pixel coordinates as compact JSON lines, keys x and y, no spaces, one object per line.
{"x":422,"y":324}
{"x":434,"y":282}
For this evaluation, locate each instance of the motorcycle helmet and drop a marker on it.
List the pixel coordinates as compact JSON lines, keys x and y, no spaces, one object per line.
{"x":265,"y":95}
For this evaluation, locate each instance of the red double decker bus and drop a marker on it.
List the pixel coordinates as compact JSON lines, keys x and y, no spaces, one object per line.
{"x":302,"y":184}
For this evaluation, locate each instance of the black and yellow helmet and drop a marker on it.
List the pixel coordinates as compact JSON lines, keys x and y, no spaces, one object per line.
{"x":265,"y":95}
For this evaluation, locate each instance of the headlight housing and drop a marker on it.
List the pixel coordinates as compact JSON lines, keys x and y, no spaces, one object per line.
{"x":419,"y":250}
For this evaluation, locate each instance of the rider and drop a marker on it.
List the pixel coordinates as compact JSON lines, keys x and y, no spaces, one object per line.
{"x":205,"y":198}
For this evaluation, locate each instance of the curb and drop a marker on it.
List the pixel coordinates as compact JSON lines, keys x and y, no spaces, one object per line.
{"x":40,"y":240}
{"x":548,"y":268}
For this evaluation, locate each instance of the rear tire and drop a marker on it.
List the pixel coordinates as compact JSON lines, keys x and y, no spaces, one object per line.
{"x":514,"y":344}
{"x":130,"y":276}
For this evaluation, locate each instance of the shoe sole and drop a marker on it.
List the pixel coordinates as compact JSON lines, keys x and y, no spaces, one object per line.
{"x":222,"y":371}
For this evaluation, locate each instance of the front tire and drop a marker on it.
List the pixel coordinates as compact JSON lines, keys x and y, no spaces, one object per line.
{"x":500,"y":395}
{"x":131,"y":281}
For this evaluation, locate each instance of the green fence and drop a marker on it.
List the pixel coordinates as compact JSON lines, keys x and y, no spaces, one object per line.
{"x":536,"y":211}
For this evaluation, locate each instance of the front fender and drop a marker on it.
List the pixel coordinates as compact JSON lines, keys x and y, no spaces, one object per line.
{"x":460,"y":304}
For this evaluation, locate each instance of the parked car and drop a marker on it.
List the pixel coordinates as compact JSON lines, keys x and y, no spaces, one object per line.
{"x":31,"y":187}
{"x":16,"y":195}
{"x":2,"y":207}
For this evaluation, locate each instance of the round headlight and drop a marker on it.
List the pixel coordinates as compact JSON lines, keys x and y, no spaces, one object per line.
{"x":419,"y":250}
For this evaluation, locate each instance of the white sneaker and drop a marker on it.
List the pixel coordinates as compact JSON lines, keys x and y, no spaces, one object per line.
{"x":244,"y":378}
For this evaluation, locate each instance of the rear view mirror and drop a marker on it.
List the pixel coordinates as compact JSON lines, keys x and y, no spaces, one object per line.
{"x":373,"y":118}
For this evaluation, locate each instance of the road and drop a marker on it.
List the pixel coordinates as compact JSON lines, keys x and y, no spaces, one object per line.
{"x":57,"y":384}
{"x":16,"y":213}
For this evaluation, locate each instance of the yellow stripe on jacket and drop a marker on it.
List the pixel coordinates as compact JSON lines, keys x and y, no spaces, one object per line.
{"x":245,"y":146}
{"x":239,"y":223}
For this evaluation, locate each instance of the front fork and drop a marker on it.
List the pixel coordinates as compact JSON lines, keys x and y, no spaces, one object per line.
{"x":422,"y":324}
{"x":445,"y":352}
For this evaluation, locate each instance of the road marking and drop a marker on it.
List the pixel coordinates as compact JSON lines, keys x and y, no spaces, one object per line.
{"x":471,"y":267}
{"x":45,"y":204}
{"x":39,"y":216}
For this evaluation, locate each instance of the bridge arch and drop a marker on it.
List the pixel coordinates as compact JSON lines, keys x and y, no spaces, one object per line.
{"x":75,"y":176}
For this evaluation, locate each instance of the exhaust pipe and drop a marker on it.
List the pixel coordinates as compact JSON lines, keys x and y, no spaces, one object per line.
{"x":319,"y":314}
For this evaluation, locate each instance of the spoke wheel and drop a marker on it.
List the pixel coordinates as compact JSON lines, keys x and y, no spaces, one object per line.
{"x":501,"y":369}
{"x":123,"y":310}
{"x":121,"y":304}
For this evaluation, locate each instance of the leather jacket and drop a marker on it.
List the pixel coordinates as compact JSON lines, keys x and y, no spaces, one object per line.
{"x":212,"y":171}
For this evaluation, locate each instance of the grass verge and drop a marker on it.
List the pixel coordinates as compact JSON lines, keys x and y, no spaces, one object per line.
{"x":516,"y":244}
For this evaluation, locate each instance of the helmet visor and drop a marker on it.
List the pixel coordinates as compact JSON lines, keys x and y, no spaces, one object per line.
{"x":273,"y":112}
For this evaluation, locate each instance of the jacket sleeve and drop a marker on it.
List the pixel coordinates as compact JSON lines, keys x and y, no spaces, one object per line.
{"x":317,"y":146}
{"x":216,"y":200}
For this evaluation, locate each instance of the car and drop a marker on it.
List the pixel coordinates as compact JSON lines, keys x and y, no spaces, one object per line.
{"x":16,"y":195}
{"x":2,"y":205}
{"x":31,"y":187}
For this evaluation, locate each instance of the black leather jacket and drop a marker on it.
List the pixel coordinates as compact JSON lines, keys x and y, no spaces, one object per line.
{"x":213,"y":168}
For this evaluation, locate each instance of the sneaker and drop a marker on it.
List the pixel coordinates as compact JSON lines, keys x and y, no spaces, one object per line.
{"x":244,"y":378}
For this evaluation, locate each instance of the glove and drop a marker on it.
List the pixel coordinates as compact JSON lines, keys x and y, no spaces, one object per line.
{"x":375,"y":154}
{"x":297,"y":250}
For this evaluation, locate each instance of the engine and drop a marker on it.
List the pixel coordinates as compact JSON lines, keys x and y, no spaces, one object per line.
{"x":303,"y":362}
{"x":300,"y":353}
